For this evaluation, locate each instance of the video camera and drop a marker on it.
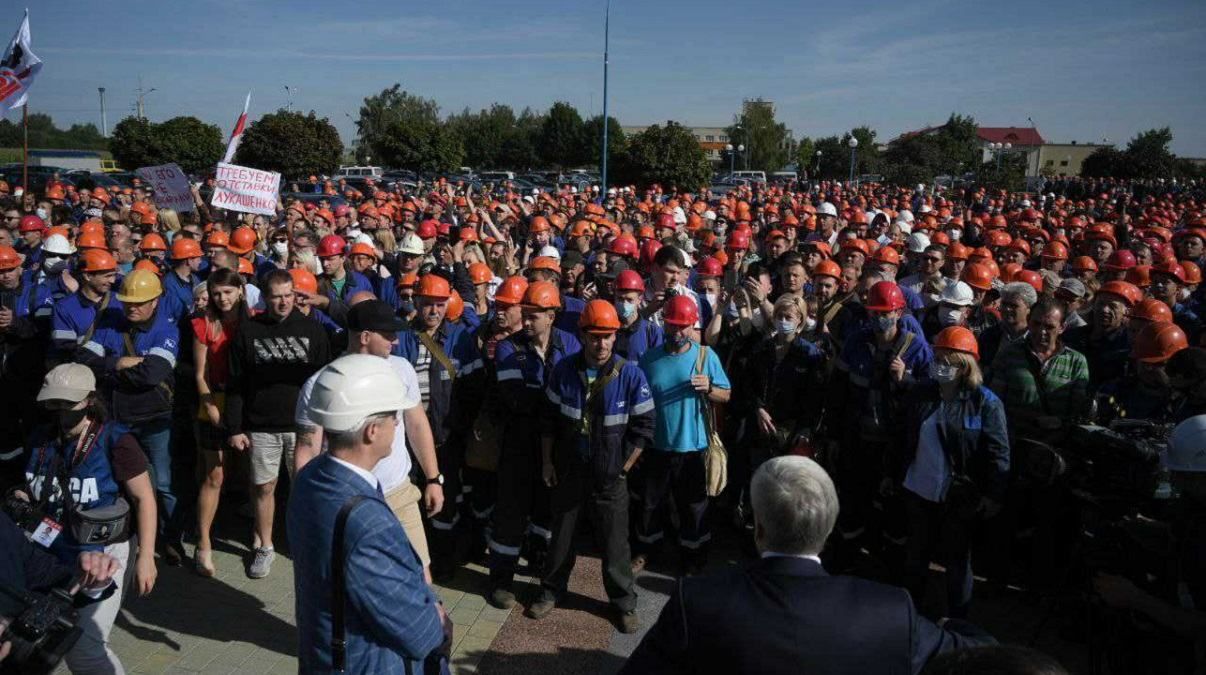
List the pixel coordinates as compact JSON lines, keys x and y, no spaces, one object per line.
{"x":1116,"y":468}
{"x":43,"y":629}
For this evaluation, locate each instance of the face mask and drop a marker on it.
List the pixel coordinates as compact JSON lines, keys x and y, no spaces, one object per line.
{"x":316,"y":265}
{"x":353,"y":232}
{"x":280,"y":248}
{"x":626,"y":309}
{"x":1183,"y":294}
{"x":53,"y":264}
{"x":676,"y":341}
{"x":42,"y":213}
{"x":406,"y":306}
{"x":69,"y":419}
{"x":711,"y":298}
{"x":785,"y":326}
{"x":809,"y":324}
{"x":955,"y":235}
{"x":92,"y":213}
{"x":125,"y":268}
{"x":949,"y":316}
{"x":942,"y":372}
{"x":883,"y":324}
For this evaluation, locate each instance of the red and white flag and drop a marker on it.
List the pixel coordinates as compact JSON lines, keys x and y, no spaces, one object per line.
{"x":18,"y":68}
{"x":237,"y":134}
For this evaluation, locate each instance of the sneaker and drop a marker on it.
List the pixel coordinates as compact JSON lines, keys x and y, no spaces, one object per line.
{"x":262,"y":565}
{"x":629,"y":622}
{"x":501,"y":598}
{"x":541,"y":608}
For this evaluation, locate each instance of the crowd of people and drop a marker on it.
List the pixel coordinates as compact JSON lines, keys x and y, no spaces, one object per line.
{"x":499,"y":367}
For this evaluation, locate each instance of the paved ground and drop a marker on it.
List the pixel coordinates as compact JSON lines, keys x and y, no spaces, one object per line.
{"x":232,"y":624}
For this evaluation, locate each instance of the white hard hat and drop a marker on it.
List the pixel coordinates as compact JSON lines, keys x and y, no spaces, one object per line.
{"x":827,"y":209}
{"x":1025,"y":203}
{"x":709,"y":215}
{"x":918,"y":242}
{"x":958,"y":294}
{"x":904,"y":226}
{"x":549,"y":252}
{"x":905,"y":215}
{"x":411,"y":244}
{"x":353,"y":388}
{"x":58,"y":245}
{"x":364,"y":238}
{"x":1187,"y":446}
{"x":921,"y":187}
{"x":925,"y":208}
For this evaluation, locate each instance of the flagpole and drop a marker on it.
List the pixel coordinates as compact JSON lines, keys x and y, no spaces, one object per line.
{"x":25,"y":146}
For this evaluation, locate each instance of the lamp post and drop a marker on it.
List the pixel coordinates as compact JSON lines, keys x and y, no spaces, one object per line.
{"x":817,"y":173}
{"x":729,"y":149}
{"x":104,"y":119}
{"x":741,"y":149}
{"x":853,"y":143}
{"x":606,"y":40}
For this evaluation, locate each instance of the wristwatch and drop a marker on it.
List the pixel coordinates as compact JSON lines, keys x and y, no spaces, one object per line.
{"x":438,"y":480}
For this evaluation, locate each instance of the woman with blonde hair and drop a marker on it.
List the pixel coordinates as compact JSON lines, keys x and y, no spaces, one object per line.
{"x":169,"y":221}
{"x":957,"y":449}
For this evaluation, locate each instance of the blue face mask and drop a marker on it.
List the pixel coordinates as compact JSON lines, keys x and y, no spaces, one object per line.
{"x":626,"y":310}
{"x":883,"y":324}
{"x":406,"y":306}
{"x":676,"y":341}
{"x":125,"y":268}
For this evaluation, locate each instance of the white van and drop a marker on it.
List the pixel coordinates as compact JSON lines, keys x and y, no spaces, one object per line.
{"x":359,"y":172}
{"x":759,"y":176}
{"x":495,"y":176}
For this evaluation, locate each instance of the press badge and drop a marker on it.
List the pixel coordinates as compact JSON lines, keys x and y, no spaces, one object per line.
{"x":47,"y":532}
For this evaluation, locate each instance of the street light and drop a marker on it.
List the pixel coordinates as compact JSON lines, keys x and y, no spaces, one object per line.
{"x":818,"y":165}
{"x":729,"y":149}
{"x":853,"y":143}
{"x":740,"y":149}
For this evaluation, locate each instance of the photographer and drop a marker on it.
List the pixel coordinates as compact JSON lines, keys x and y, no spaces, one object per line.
{"x":25,"y":567}
{"x":82,"y":468}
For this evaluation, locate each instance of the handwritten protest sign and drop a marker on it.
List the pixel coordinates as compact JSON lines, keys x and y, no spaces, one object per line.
{"x":170,"y":185}
{"x":247,"y":190}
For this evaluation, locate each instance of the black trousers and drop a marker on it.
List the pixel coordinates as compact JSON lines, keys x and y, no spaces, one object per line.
{"x":681,"y":474}
{"x":936,"y":531}
{"x":522,"y":510}
{"x":607,"y":508}
{"x":442,"y":526}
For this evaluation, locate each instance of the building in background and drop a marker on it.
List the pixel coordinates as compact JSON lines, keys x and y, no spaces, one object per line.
{"x":1056,"y":159}
{"x":711,"y":139}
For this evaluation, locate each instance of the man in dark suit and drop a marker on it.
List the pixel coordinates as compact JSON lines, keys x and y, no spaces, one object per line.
{"x":784,"y":614}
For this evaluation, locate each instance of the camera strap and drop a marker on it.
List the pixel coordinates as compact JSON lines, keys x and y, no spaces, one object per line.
{"x":339,"y":586}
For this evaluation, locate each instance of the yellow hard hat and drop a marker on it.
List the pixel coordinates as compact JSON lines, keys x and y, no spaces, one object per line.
{"x":140,"y":286}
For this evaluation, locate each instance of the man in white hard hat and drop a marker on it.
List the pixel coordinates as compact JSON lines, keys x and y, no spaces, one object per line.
{"x":362,"y":602}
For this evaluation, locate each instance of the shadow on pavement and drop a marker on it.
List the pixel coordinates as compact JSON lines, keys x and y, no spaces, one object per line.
{"x":566,"y":661}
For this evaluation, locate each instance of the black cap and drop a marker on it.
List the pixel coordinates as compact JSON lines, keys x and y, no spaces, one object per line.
{"x":374,"y":315}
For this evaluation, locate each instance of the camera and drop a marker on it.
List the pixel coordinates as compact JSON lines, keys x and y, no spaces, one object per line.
{"x":24,"y":513}
{"x":42,"y":631}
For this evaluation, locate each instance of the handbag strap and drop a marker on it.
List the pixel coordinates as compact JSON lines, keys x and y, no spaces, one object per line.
{"x":100,"y":310}
{"x":437,"y":353}
{"x":709,"y":422}
{"x":339,"y":644}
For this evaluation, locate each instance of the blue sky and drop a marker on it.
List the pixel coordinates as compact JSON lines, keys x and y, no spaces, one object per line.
{"x":1083,"y":70}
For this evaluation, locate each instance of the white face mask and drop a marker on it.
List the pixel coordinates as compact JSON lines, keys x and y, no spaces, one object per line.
{"x":280,"y":248}
{"x":353,"y":232}
{"x":942,"y":372}
{"x":955,"y":235}
{"x":949,"y":316}
{"x":42,"y":213}
{"x":54,"y":264}
{"x":809,"y":324}
{"x":1183,"y":294}
{"x":711,"y":298}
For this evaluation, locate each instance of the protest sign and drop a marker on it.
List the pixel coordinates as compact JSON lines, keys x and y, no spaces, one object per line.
{"x":170,"y":185}
{"x":248,"y":190}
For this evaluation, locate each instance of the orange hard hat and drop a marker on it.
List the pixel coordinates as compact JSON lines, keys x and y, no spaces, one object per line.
{"x":510,"y":291}
{"x":94,"y":240}
{"x":55,"y":192}
{"x":957,"y":251}
{"x":599,"y":318}
{"x":544,"y":262}
{"x":1084,"y":264}
{"x":456,"y":307}
{"x":1157,"y":342}
{"x":242,"y":240}
{"x":1140,"y":275}
{"x":245,"y":266}
{"x":479,"y":273}
{"x":541,"y":295}
{"x":408,"y":280}
{"x":1055,"y":251}
{"x":1030,"y":277}
{"x":152,"y":242}
{"x":304,"y":280}
{"x":539,"y":224}
{"x":1150,"y":309}
{"x":184,"y":248}
{"x":1193,"y":273}
{"x":148,"y":265}
{"x":957,"y":339}
{"x":886,"y":255}
{"x":977,"y":276}
{"x":218,"y":239}
{"x":97,"y":260}
{"x":433,"y":286}
{"x":1128,"y":292}
{"x":9,"y":258}
{"x":92,"y":226}
{"x":363,"y":248}
{"x":828,"y":268}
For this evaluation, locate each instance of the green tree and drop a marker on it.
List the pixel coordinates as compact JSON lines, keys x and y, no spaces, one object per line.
{"x":668,"y":155}
{"x":189,"y":142}
{"x":805,"y":157}
{"x":1149,"y":155}
{"x":562,"y":138}
{"x":291,"y":143}
{"x":765,"y":140}
{"x":483,"y":134}
{"x":593,"y":132}
{"x":952,"y":149}
{"x":866,"y":156}
{"x":834,"y":160}
{"x":1010,"y":175}
{"x":519,"y":148}
{"x":134,"y":143}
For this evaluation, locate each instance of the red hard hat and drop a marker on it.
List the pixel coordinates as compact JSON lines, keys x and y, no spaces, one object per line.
{"x":1171,"y":268}
{"x":510,"y":291}
{"x":1193,"y":273}
{"x":649,"y":249}
{"x":331,"y":245}
{"x":666,"y":220}
{"x":957,"y":339}
{"x":1128,"y":292}
{"x":428,"y":229}
{"x":709,"y":267}
{"x":31,"y":224}
{"x":1084,"y":264}
{"x":1120,"y":260}
{"x":739,"y":240}
{"x":1150,"y":309}
{"x":1055,"y":251}
{"x":629,"y":280}
{"x":1157,"y":342}
{"x":885,"y":296}
{"x":623,"y":246}
{"x":1140,"y":275}
{"x":681,"y":311}
{"x":599,"y":317}
{"x":1030,"y":277}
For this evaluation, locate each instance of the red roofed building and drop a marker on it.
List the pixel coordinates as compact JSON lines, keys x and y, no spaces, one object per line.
{"x":1015,"y":135}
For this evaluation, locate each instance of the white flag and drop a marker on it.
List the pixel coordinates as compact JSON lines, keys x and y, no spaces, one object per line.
{"x":18,"y":69}
{"x":237,"y":134}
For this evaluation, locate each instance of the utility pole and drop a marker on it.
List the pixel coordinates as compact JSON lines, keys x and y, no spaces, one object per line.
{"x":142,"y":93}
{"x":606,"y":42}
{"x":104,"y":120}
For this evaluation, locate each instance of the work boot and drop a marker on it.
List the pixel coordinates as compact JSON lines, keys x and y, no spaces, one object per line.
{"x":629,"y":622}
{"x":501,"y":598}
{"x":541,"y":607}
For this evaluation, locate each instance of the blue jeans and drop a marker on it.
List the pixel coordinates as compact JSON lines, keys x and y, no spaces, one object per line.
{"x":155,"y":437}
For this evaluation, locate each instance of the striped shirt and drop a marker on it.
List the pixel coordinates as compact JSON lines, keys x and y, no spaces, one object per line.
{"x":1066,"y":382}
{"x":423,"y":371}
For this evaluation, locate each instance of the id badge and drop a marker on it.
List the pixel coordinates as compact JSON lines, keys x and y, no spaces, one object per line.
{"x":47,"y":531}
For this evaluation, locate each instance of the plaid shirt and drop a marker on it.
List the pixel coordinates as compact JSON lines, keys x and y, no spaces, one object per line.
{"x":1065,"y":376}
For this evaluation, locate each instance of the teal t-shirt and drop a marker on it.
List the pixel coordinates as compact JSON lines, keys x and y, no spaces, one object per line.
{"x":680,"y":413}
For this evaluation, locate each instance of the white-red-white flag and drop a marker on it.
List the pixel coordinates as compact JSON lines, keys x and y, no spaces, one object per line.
{"x":237,"y":134}
{"x":18,"y":68}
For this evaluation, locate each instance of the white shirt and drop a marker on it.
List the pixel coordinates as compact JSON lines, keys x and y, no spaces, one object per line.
{"x":393,"y":471}
{"x":367,"y":476}
{"x":776,"y":554}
